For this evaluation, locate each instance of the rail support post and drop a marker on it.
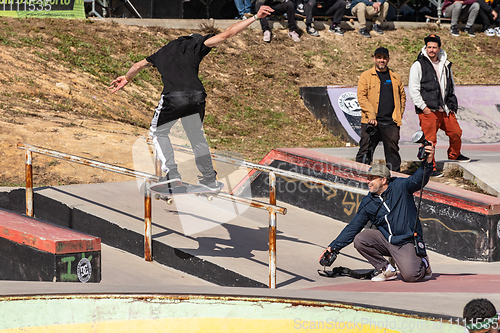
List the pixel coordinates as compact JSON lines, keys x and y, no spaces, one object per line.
{"x":272,"y":231}
{"x":158,"y":163}
{"x":29,"y":183}
{"x":148,"y":245}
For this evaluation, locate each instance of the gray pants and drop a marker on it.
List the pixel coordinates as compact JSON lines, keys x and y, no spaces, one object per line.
{"x":372,"y":245}
{"x":457,"y":12}
{"x":189,"y":106}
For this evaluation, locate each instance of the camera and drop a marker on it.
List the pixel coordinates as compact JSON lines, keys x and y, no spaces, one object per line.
{"x":419,"y":247}
{"x":328,"y":258}
{"x":371,"y":130}
{"x":419,"y":137}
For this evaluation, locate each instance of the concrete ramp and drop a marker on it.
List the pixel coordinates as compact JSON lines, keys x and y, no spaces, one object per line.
{"x":337,"y":107}
{"x":199,"y":313}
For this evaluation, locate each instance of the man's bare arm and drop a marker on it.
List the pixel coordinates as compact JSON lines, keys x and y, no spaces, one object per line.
{"x":122,"y":81}
{"x":238,"y":27}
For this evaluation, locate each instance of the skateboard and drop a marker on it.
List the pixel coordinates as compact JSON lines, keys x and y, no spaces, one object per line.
{"x":318,"y":17}
{"x":164,"y":192}
{"x":431,"y":19}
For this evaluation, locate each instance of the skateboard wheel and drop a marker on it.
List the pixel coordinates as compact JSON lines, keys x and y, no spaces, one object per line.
{"x":169,"y":201}
{"x":210,"y":198}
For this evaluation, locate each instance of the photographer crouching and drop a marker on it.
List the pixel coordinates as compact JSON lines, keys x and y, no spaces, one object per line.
{"x":391,"y":208}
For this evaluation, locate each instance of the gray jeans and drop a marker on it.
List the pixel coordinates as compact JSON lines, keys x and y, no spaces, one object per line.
{"x":458,"y":12}
{"x":189,"y":107}
{"x":372,"y":245}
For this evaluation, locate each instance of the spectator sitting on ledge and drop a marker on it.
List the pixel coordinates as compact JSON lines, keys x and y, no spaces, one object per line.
{"x":280,"y":7}
{"x":367,"y":8}
{"x":334,"y":8}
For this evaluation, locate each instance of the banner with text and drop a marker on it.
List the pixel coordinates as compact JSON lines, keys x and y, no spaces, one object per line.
{"x":70,"y":9}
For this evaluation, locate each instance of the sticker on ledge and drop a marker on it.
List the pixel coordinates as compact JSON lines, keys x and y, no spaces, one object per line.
{"x":84,"y":270}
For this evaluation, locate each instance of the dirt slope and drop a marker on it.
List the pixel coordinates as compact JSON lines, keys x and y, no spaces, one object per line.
{"x":54,"y":76}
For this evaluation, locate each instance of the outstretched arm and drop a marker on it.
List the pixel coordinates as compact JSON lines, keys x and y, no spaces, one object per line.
{"x":238,"y":27}
{"x":414,"y":182}
{"x":122,"y":81}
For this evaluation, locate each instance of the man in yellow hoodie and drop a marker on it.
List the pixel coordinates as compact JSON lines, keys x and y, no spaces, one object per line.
{"x":382,"y":99}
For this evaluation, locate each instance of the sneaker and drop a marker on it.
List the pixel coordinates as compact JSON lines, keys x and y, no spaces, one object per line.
{"x":470,"y":32}
{"x":436,"y":174}
{"x":294,"y":35}
{"x":377,"y":29}
{"x":172,"y":179}
{"x":211,"y":183}
{"x":428,"y":270}
{"x":454,"y":31}
{"x":497,"y":31}
{"x":363,"y":32}
{"x":462,"y":158}
{"x":300,"y":8}
{"x":336,"y":30}
{"x":267,"y":36}
{"x":392,"y":262}
{"x":311,"y":31}
{"x":383,"y":275}
{"x":490,"y":32}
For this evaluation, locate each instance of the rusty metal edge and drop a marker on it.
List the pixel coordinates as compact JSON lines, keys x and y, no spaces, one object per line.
{"x":285,"y":300}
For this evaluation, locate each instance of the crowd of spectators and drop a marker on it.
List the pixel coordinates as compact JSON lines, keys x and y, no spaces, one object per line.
{"x":484,"y":12}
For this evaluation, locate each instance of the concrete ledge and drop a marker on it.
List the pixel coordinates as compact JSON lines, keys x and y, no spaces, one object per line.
{"x":456,"y":222}
{"x":124,"y":239}
{"x":43,"y":236}
{"x":32,"y":250}
{"x":274,"y":24}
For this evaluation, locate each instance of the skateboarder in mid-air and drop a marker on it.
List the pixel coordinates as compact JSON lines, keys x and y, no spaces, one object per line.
{"x":183,"y":97}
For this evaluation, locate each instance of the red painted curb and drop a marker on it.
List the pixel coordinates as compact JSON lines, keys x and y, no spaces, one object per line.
{"x":437,"y":192}
{"x":45,"y":237}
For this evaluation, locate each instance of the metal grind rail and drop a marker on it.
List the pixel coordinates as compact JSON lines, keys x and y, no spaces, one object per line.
{"x":148,"y":178}
{"x":279,"y":172}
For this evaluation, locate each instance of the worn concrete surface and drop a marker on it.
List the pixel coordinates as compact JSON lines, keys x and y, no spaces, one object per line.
{"x":236,"y":238}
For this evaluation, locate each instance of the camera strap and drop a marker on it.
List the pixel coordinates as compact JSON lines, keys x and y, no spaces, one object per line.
{"x":419,"y":246}
{"x":378,"y":209}
{"x":344,"y":271}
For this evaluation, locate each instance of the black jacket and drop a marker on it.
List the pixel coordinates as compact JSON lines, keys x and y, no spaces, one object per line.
{"x":488,"y":8}
{"x":393,"y":213}
{"x":430,"y":89}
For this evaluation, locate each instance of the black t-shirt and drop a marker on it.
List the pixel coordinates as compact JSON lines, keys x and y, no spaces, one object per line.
{"x":179,"y":61}
{"x":386,"y":100}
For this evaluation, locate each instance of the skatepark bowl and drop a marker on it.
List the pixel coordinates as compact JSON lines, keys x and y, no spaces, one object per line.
{"x":198,"y":313}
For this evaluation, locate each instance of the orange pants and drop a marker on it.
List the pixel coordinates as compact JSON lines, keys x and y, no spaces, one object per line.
{"x":431,"y":123}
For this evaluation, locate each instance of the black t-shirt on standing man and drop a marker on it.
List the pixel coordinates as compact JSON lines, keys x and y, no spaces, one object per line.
{"x":386,"y":100}
{"x":179,"y":61}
